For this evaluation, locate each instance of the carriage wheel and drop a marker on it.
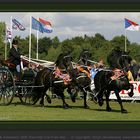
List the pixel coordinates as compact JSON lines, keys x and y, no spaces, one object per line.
{"x":7,"y":86}
{"x":26,"y":96}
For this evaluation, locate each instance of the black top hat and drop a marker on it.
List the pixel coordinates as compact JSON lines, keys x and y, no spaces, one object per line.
{"x":15,"y":42}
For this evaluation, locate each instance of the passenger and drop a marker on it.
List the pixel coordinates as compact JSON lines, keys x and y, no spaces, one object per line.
{"x":100,"y":64}
{"x":130,"y":76}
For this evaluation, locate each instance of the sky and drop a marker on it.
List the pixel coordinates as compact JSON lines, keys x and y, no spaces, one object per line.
{"x":71,"y":24}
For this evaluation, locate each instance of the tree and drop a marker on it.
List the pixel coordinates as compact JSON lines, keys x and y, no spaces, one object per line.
{"x":55,"y":42}
{"x":44,"y":44}
{"x":119,"y":42}
{"x":2,"y":38}
{"x":98,"y":41}
{"x":67,"y":46}
{"x":2,"y":31}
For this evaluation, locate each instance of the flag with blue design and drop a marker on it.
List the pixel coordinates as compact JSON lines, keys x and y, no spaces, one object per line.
{"x":36,"y":25}
{"x":47,"y":26}
{"x":17,"y":25}
{"x":131,"y":26}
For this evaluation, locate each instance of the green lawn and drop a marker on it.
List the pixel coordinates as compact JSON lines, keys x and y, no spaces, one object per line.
{"x":54,"y":111}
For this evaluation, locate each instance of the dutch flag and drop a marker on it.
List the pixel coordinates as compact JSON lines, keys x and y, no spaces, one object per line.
{"x":47,"y":26}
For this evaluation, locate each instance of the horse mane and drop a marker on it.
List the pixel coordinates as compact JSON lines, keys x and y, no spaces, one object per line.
{"x":59,"y":59}
{"x":83,"y":53}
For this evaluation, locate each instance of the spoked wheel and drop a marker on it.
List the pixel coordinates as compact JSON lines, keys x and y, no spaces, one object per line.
{"x":26,"y":96}
{"x":7,"y":86}
{"x":26,"y":93}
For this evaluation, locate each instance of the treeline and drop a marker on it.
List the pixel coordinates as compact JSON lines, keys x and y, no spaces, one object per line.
{"x":50,"y":48}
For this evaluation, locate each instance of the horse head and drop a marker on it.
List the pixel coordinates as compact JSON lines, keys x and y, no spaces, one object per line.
{"x":85,"y":55}
{"x":64,"y":61}
{"x":119,"y":59}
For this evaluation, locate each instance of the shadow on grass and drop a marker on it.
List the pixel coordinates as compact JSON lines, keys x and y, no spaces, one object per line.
{"x":112,"y":111}
{"x":70,"y":107}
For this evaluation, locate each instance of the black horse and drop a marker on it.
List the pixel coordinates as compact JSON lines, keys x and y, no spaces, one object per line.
{"x":80,"y":82}
{"x":48,"y":79}
{"x":104,"y":82}
{"x":81,"y":77}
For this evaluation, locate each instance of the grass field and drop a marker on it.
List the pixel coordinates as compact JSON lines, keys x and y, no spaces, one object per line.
{"x":54,"y":111}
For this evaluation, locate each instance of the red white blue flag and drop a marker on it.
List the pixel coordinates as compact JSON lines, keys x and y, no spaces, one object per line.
{"x":17,"y":25}
{"x":131,"y":26}
{"x":47,"y":26}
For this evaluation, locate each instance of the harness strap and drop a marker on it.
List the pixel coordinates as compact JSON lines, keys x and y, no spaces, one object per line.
{"x":59,"y":74}
{"x":117,"y":73}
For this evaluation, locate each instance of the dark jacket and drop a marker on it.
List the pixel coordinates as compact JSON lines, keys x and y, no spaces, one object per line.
{"x":14,"y":56}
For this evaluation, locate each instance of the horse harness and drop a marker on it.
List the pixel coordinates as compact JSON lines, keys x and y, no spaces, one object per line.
{"x":117,"y":74}
{"x":64,"y":76}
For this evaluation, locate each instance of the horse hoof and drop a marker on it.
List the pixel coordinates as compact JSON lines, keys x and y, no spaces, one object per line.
{"x":42,"y":105}
{"x":86,"y":107}
{"x":95,"y":100}
{"x":108,"y":109}
{"x":123,"y":111}
{"x":73,"y":100}
{"x":49,"y":100}
{"x":101,"y":103}
{"x":130,"y":94}
{"x":65,"y":107}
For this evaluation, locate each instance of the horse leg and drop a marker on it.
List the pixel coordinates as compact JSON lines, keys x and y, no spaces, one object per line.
{"x":85,"y":100}
{"x":48,"y":99}
{"x":100,"y":97}
{"x":120,"y":102}
{"x":65,"y":105}
{"x":131,"y":93}
{"x":42,"y":99}
{"x":73,"y":94}
{"x":108,"y":108}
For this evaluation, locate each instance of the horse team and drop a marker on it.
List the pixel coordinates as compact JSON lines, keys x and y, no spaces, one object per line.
{"x":76,"y":78}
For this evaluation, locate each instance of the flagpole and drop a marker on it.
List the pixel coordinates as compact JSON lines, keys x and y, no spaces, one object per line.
{"x":30,"y":41}
{"x":125,"y":42}
{"x":11,"y":32}
{"x":5,"y":56}
{"x":5,"y":42}
{"x":37,"y":47}
{"x":5,"y":50}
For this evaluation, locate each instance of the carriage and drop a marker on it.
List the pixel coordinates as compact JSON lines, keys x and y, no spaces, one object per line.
{"x":46,"y":79}
{"x":10,"y":86}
